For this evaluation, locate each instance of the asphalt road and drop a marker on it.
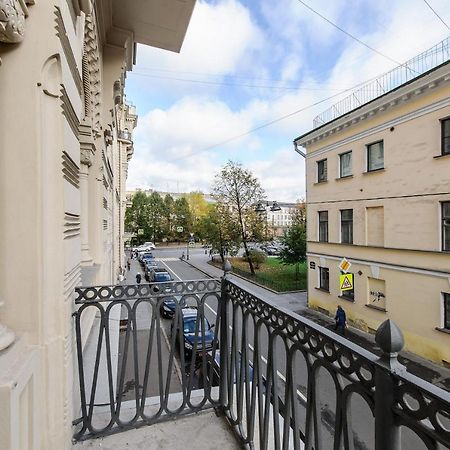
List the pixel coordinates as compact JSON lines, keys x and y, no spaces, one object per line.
{"x":325,"y":392}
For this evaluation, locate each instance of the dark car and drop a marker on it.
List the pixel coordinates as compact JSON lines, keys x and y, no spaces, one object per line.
{"x":168,"y":307}
{"x":212,"y":375}
{"x":186,"y":333}
{"x":149,"y":266}
{"x":159,"y":275}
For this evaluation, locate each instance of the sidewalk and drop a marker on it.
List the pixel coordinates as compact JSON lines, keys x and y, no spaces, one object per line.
{"x":297,"y":303}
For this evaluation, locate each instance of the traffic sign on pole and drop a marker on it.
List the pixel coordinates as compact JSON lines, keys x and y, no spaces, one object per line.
{"x":346,"y":282}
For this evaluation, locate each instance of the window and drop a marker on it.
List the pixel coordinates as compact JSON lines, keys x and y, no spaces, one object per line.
{"x":347,"y":226}
{"x":445,"y":133}
{"x":323,"y":226}
{"x":446,"y":226}
{"x":345,"y":164}
{"x":350,"y":294}
{"x":375,"y":156}
{"x":446,"y":297}
{"x":322,"y":171}
{"x":324,"y":282}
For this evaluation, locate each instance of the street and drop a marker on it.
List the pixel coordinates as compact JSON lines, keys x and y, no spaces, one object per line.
{"x":169,"y":258}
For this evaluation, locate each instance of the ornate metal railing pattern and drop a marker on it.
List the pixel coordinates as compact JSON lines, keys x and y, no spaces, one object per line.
{"x":281,"y":380}
{"x":140,"y":312}
{"x":429,"y":59}
{"x":268,"y":396}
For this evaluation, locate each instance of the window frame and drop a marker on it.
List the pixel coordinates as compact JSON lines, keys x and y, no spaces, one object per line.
{"x":444,"y":226}
{"x":346,"y":221}
{"x":325,"y":161}
{"x":368,"y":148}
{"x":340,"y":164}
{"x":321,"y":222}
{"x":327,"y":289}
{"x":444,"y":137}
{"x":446,"y":317}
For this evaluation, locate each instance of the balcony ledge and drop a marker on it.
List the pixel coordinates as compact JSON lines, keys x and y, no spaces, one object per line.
{"x":203,"y":430}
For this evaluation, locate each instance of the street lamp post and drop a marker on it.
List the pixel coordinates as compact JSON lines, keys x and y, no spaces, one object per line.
{"x":264,"y":208}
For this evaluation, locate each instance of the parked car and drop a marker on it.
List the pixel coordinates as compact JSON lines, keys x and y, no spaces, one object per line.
{"x":149,"y":266}
{"x":186,"y":335}
{"x":148,"y":246}
{"x":159,"y":275}
{"x":212,"y":375}
{"x":168,"y":307}
{"x":143,"y":256}
{"x":272,"y":251}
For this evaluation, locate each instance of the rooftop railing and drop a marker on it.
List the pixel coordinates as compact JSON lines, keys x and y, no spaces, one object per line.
{"x":281,"y":380}
{"x":420,"y":64}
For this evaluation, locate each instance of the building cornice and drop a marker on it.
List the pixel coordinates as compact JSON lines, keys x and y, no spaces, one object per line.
{"x":412,"y":90}
{"x":383,"y":126}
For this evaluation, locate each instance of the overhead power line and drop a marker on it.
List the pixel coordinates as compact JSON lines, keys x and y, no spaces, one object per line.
{"x":349,"y":34}
{"x":222,"y":83}
{"x":267,"y":124}
{"x":437,"y":15}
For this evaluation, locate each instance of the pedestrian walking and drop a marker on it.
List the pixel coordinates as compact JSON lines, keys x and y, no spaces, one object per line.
{"x":138,"y":278}
{"x":128,"y":264}
{"x":340,"y":320}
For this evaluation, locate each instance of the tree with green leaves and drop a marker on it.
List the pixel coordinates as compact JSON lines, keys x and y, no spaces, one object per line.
{"x":237,"y":190}
{"x":168,"y":217}
{"x":220,"y":230}
{"x":294,"y":245}
{"x":155,"y":212}
{"x":183,"y":217}
{"x":136,"y":217}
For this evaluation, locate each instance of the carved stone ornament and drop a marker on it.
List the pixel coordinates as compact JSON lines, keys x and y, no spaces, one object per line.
{"x":12,"y":20}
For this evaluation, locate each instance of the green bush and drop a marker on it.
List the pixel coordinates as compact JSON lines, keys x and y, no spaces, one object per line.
{"x":257,"y":258}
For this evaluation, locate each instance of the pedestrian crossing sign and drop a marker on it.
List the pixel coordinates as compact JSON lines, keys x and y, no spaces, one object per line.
{"x":346,"y":282}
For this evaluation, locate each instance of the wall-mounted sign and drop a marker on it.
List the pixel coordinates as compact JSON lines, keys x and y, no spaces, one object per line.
{"x":344,"y":265}
{"x":312,"y":265}
{"x":346,"y":282}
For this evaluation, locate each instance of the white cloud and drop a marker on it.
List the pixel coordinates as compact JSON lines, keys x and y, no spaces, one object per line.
{"x":225,"y":38}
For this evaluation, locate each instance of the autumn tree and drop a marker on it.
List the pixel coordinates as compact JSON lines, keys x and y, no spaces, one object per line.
{"x":219,"y":229}
{"x":237,"y":190}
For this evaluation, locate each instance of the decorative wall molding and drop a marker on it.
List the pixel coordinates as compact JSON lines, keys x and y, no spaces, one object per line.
{"x":71,"y":225}
{"x":12,"y":20}
{"x":69,"y":112}
{"x":71,"y":171}
{"x":91,"y":72}
{"x":87,"y":144}
{"x":67,"y":49}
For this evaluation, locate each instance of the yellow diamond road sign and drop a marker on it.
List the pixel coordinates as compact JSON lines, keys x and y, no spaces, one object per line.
{"x":344,"y":265}
{"x":346,"y":282}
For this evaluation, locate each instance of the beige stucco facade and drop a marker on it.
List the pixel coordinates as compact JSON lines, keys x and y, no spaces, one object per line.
{"x":65,"y":143}
{"x":400,"y":269}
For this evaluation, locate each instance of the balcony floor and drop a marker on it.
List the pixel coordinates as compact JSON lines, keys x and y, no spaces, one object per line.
{"x":202,"y":430}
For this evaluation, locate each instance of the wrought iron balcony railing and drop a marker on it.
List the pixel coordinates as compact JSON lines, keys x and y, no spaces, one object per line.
{"x":281,"y":380}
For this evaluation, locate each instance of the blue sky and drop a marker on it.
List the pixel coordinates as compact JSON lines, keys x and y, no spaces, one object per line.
{"x":245,"y":63}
